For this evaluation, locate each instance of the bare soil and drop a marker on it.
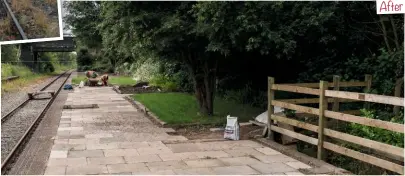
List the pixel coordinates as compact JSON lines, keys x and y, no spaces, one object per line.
{"x":203,"y":132}
{"x":137,"y":90}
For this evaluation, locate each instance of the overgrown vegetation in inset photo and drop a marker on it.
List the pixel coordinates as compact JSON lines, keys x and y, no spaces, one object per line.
{"x":38,"y":19}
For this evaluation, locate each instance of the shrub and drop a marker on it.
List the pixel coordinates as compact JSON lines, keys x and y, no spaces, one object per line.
{"x":84,"y":58}
{"x":8,"y":70}
{"x":169,"y":86}
{"x":378,"y":134}
{"x":146,"y":70}
{"x":246,"y":95}
{"x":165,"y":82}
{"x":183,"y":81}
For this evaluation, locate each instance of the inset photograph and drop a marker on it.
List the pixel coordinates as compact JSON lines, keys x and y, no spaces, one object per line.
{"x":24,"y":21}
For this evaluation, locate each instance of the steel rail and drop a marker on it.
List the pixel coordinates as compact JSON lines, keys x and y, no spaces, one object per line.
{"x":16,"y":147}
{"x":5,"y":117}
{"x":17,"y":24}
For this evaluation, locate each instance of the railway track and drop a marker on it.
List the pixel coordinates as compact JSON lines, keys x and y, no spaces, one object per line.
{"x":5,"y":10}
{"x":19,"y":124}
{"x":3,"y":118}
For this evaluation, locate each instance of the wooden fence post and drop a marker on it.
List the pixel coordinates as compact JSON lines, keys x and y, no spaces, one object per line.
{"x":336,"y":82}
{"x":368,"y":80}
{"x":398,"y":85}
{"x":270,"y":107}
{"x":335,"y":105}
{"x":323,"y":105}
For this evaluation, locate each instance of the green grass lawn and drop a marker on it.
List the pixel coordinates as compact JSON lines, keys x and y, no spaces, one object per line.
{"x":180,"y":108}
{"x":121,"y":80}
{"x":76,"y":80}
{"x":115,"y":80}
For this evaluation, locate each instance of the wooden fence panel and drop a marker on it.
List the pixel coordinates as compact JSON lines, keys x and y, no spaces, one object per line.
{"x":295,"y":135}
{"x":366,"y":121}
{"x":364,"y":157}
{"x":365,"y":142}
{"x":366,"y":97}
{"x":343,"y":136}
{"x":313,"y":100}
{"x":295,"y":107}
{"x":295,"y":89}
{"x":342,"y":84}
{"x":322,"y":112}
{"x":352,"y":84}
{"x":296,"y":123}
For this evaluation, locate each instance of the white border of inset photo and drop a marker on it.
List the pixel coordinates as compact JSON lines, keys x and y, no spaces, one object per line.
{"x":42,"y":39}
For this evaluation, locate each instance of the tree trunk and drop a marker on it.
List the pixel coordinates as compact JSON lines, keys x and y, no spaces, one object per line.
{"x":394,"y":30}
{"x":203,"y":75}
{"x":387,"y":44}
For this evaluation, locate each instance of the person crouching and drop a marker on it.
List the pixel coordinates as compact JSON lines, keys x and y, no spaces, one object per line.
{"x":104,"y":80}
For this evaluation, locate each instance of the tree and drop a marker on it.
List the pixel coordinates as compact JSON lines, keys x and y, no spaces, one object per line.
{"x":243,"y":38}
{"x":84,"y":61}
{"x":10,"y":54}
{"x":83,"y":18}
{"x":169,"y":30}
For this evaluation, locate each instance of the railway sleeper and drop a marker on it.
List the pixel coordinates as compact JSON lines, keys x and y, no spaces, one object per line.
{"x":31,"y":95}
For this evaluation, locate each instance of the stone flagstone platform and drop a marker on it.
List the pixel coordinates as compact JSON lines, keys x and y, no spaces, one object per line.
{"x":116,"y":139}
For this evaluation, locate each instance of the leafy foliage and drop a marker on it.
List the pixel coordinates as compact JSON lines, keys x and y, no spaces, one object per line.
{"x":10,"y":54}
{"x":378,"y":134}
{"x":84,"y":60}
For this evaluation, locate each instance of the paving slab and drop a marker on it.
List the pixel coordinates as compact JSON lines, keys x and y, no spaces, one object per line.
{"x":121,"y":152}
{"x":122,"y":168}
{"x":272,"y":168}
{"x":67,"y":161}
{"x":167,"y":165}
{"x":178,"y":156}
{"x":239,"y":161}
{"x":86,"y":169}
{"x":204,"y":163}
{"x":234,"y":170}
{"x":181,"y":148}
{"x":142,"y":159}
{"x":194,"y":171}
{"x":116,"y":139}
{"x":105,"y":160}
{"x":85,"y":153}
{"x":159,"y":172}
{"x":55,"y":170}
{"x":274,"y":158}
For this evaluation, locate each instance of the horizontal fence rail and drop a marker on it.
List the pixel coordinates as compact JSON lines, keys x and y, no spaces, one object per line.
{"x":341,"y":84}
{"x":335,"y":97}
{"x":366,"y":97}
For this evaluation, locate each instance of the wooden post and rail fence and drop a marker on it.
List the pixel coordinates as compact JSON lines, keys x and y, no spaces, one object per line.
{"x":335,"y":97}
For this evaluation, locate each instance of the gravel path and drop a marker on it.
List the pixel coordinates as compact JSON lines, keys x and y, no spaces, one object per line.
{"x":15,"y":126}
{"x":13,"y":99}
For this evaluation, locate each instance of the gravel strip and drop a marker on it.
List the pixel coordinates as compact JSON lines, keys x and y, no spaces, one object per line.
{"x":12,"y":100}
{"x":15,"y":126}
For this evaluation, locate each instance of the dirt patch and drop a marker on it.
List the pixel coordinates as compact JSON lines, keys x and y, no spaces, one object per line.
{"x":85,"y":106}
{"x":203,"y":132}
{"x":137,"y":90}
